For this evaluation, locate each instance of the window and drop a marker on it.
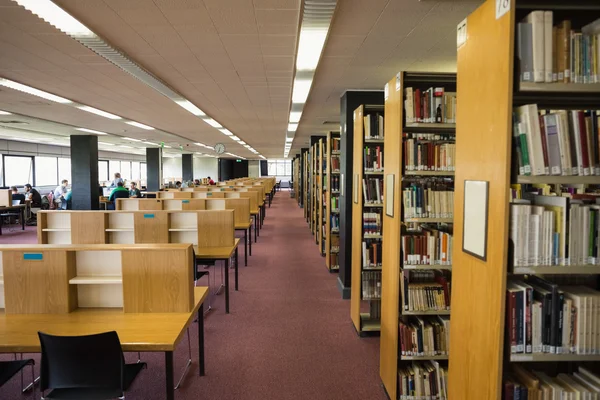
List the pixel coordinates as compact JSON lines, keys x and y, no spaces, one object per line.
{"x":103,"y":171}
{"x":1,"y":171}
{"x":46,"y":171}
{"x":281,"y":169}
{"x":64,"y":169}
{"x":18,"y":170}
{"x":126,"y":170}
{"x":113,"y":166}
{"x":135,"y":171}
{"x":143,"y":175}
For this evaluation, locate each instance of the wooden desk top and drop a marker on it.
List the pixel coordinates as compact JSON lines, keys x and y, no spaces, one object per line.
{"x":97,"y":247}
{"x":243,"y":226}
{"x":216,"y":252}
{"x":137,"y":332}
{"x":254,"y":212}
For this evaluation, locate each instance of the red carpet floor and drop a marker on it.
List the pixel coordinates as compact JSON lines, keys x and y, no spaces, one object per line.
{"x":288,"y":337}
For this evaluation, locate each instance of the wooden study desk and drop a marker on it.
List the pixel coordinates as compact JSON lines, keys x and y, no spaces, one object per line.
{"x":148,"y":332}
{"x":221,"y":253}
{"x":246,"y":229}
{"x":21,"y":208}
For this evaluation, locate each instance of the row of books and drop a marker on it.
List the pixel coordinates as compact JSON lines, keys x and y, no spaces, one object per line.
{"x":372,"y":223}
{"x":335,"y":163}
{"x":431,"y":247}
{"x":335,"y":183}
{"x":426,"y":290}
{"x":334,"y":262}
{"x":429,"y":156}
{"x":428,"y":199}
{"x":371,"y":254}
{"x":521,"y":383}
{"x":335,"y":144}
{"x":557,"y":53}
{"x":373,"y":158}
{"x":372,"y":190}
{"x":555,"y":230}
{"x":423,"y":380}
{"x":425,"y":336}
{"x":373,"y":126}
{"x":371,"y":285}
{"x":544,"y":317}
{"x":433,"y":105}
{"x":375,"y":310}
{"x":335,"y":203}
{"x":557,"y":142}
{"x":335,"y":222}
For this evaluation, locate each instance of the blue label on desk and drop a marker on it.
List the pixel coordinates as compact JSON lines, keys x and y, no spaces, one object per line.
{"x":148,"y":215}
{"x":33,"y":256}
{"x":185,"y":201}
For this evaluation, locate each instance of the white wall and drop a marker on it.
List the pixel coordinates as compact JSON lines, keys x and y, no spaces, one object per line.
{"x":172,"y":167}
{"x":205,"y":167}
{"x":34,"y":149}
{"x":253,"y":168}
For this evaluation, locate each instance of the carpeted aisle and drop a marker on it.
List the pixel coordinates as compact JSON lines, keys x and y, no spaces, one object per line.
{"x":288,"y":337}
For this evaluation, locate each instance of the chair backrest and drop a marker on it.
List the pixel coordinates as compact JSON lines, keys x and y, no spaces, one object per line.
{"x":92,"y":361}
{"x":121,"y":194}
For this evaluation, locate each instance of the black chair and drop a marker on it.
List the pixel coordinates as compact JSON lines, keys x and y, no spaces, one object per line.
{"x":88,"y":367}
{"x":8,"y":369}
{"x":121,"y":194}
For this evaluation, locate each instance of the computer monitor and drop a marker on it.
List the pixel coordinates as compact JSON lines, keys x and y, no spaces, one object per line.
{"x":106,"y":191}
{"x":16,"y":202}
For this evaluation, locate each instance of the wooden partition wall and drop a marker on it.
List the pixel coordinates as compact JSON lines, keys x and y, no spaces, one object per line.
{"x":58,"y":279}
{"x":214,"y":228}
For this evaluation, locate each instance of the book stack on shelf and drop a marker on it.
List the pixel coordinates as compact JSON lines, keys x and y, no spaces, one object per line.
{"x":537,"y":271}
{"x":332,"y":201}
{"x":418,"y":231}
{"x":367,"y":216}
{"x":423,"y":380}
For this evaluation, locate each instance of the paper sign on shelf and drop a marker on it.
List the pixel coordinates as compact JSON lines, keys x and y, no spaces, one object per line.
{"x":461,"y":33}
{"x":386,"y":92}
{"x":398,"y":82}
{"x":502,"y":7}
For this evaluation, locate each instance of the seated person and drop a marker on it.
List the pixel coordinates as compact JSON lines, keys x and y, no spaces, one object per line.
{"x":134,"y":191}
{"x":16,"y":195}
{"x":178,"y":185}
{"x":34,"y":196}
{"x":116,"y":181}
{"x":197,"y":182}
{"x":61,"y":202}
{"x":210,"y":181}
{"x":67,"y":200}
{"x":118,"y":193}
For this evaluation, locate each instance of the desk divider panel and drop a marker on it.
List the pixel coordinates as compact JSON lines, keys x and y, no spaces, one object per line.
{"x":218,"y":228}
{"x":172,"y":204}
{"x":183,"y":227}
{"x":55,"y":226}
{"x":215,"y":204}
{"x":5,"y":197}
{"x":80,"y":227}
{"x":38,"y":282}
{"x":151,"y":227}
{"x":194,"y":204}
{"x":98,"y":279}
{"x":175,"y":195}
{"x":120,"y":227}
{"x":209,"y":195}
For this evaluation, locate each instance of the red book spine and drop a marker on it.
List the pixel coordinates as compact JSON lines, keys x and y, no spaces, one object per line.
{"x":511,"y":316}
{"x":418,"y":105}
{"x":544,"y":142}
{"x":583,"y":138}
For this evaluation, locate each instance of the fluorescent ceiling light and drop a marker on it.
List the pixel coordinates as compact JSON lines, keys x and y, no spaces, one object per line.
{"x":310,"y":46}
{"x":295,"y":116}
{"x":301,"y":90}
{"x":146,"y":127}
{"x":5,"y":113}
{"x":166,"y":147}
{"x":106,"y":144}
{"x":33,"y":91}
{"x":99,"y":112}
{"x":132,"y":139}
{"x":126,"y":147}
{"x":233,"y":137}
{"x":226,"y":132}
{"x":292,"y":127}
{"x":91,"y":131}
{"x":151,"y":144}
{"x":242,"y":142}
{"x":289,"y":139}
{"x":263,"y":157}
{"x":213,"y":123}
{"x":55,"y":16}
{"x":200,"y":144}
{"x":190,"y":107}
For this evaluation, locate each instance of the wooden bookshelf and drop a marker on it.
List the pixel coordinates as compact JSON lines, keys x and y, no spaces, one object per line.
{"x":363,"y":321}
{"x":394,"y":226}
{"x":332,"y":195}
{"x":478,"y":331}
{"x":320,"y":190}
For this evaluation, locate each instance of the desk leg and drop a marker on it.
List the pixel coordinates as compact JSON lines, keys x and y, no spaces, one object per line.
{"x":255,"y":227}
{"x":236,"y":268}
{"x":250,"y":238}
{"x":227,"y":286}
{"x":245,"y":249}
{"x":201,"y":371}
{"x":169,"y":375}
{"x":22,"y":218}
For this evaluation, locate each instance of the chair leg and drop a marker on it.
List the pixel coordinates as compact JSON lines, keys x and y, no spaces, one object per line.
{"x":189,"y":362}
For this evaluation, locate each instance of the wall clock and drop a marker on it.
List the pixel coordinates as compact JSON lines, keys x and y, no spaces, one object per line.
{"x":219,"y":148}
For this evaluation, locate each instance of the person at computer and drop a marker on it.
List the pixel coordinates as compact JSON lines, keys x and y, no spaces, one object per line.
{"x":67,"y":201}
{"x":210,"y":181}
{"x":33,"y":196}
{"x":59,"y":193}
{"x":197,"y":182}
{"x":115,"y":181}
{"x":120,"y":192}
{"x":178,"y":185}
{"x":134,"y":192}
{"x":16,"y":195}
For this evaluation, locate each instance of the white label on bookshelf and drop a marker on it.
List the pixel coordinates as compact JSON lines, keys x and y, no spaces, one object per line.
{"x":502,"y":7}
{"x":520,"y":357}
{"x":386,"y":92}
{"x":461,"y":33}
{"x":398,"y":82}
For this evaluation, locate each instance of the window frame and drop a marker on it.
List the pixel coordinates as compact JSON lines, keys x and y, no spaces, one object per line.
{"x":4,"y":155}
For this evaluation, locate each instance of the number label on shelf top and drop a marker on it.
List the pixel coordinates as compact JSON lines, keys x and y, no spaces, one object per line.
{"x":502,"y":7}
{"x":386,"y":92}
{"x":461,"y":33}
{"x":398,"y":84}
